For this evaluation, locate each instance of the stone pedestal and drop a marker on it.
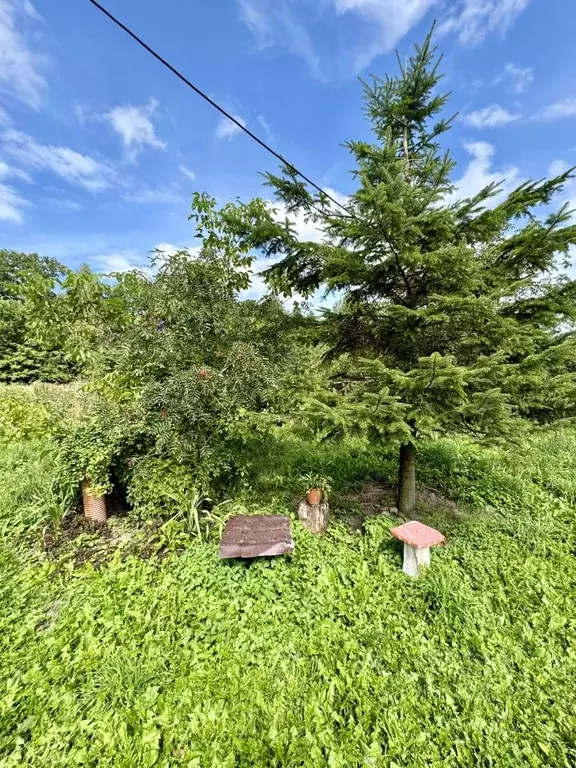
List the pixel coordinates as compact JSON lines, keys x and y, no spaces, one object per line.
{"x":417,"y":538}
{"x":415,"y":559}
{"x":314,"y":517}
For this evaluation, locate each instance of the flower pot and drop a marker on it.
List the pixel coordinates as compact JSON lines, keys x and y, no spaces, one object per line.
{"x":314,"y":496}
{"x":94,"y":505}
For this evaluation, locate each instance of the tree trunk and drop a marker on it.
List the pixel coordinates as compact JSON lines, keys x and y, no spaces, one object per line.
{"x":407,"y":480}
{"x":314,"y":516}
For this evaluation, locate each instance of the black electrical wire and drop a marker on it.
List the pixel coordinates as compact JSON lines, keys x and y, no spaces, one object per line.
{"x":215,"y":105}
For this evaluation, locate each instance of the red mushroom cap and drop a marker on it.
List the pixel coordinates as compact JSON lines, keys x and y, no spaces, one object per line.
{"x":418,"y":535}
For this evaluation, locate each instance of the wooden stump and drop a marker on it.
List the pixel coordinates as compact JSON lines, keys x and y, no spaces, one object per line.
{"x":314,"y":517}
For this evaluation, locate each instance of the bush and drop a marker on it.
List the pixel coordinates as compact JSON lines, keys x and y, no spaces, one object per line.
{"x":67,"y":403}
{"x":22,"y":420}
{"x":23,"y":358}
{"x":157,"y":487}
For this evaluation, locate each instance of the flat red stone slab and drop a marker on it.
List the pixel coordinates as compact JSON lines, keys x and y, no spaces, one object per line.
{"x":418,"y":535}
{"x":256,"y":536}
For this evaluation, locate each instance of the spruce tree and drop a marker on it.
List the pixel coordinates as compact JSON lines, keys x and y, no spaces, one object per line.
{"x":455,"y":314}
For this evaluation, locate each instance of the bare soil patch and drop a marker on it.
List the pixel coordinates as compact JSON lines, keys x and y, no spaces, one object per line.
{"x":373,"y":499}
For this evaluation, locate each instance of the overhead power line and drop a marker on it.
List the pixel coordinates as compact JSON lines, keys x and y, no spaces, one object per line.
{"x":210,"y":101}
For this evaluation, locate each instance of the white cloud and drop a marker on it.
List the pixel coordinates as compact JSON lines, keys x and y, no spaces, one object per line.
{"x":127,"y":259}
{"x":258,"y":287}
{"x":368,"y":27}
{"x":266,"y":126}
{"x":169,"y":249}
{"x":520,"y":78}
{"x":479,"y":173}
{"x":187,"y":172}
{"x":64,"y":204}
{"x":135,"y":126}
{"x":306,"y":229}
{"x":284,"y":23}
{"x":11,"y":204}
{"x":489,"y":117}
{"x":558,"y":111}
{"x":254,"y":15}
{"x":473,"y":20}
{"x":387,"y":23}
{"x":6,"y":171}
{"x":162,"y":195}
{"x":30,"y":11}
{"x":277,"y":22}
{"x":557,"y":168}
{"x":83,"y":113}
{"x":63,"y":161}
{"x":122,"y":261}
{"x":338,"y":196}
{"x":21,"y":67}
{"x":226,"y":129}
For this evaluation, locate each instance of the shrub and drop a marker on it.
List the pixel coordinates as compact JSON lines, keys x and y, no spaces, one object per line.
{"x":67,"y":403}
{"x":97,"y":449}
{"x":24,"y":420}
{"x":156,"y":487}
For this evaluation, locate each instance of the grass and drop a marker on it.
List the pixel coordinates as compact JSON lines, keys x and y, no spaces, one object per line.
{"x":329,"y":658}
{"x":70,"y":401}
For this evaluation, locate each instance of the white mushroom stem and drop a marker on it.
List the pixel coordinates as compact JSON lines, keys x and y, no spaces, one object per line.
{"x":415,"y":559}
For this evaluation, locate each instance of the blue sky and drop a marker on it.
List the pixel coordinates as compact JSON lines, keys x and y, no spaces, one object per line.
{"x":101,"y":147}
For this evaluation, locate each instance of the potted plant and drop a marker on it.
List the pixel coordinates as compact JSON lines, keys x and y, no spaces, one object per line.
{"x":318,"y":488}
{"x":93,"y":502}
{"x":85,"y":457}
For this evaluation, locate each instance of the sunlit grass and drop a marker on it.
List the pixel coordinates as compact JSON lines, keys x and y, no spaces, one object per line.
{"x":329,"y":658}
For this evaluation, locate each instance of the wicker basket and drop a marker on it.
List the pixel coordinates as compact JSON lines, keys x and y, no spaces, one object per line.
{"x":94,"y":506}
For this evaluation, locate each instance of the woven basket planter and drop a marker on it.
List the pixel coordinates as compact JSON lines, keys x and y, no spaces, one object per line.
{"x":94,"y":506}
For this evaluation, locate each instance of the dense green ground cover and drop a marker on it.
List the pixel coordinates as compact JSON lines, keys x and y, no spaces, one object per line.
{"x":329,"y":658}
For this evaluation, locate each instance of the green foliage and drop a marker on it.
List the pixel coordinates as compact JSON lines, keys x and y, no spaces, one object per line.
{"x":283,"y":462}
{"x":93,"y":449}
{"x":16,"y":269}
{"x":194,"y":520}
{"x":24,"y":357}
{"x":30,"y":494}
{"x":71,"y":403}
{"x":316,"y":480}
{"x":156,"y":487}
{"x":330,"y":657}
{"x":195,"y":369}
{"x":22,"y":420}
{"x":40,"y":411}
{"x":456,"y":315}
{"x":78,"y":312}
{"x":171,"y":537}
{"x":453,"y":317}
{"x":162,"y":488}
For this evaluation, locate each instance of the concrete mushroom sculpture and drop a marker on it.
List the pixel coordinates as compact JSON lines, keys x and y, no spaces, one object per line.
{"x":417,"y":538}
